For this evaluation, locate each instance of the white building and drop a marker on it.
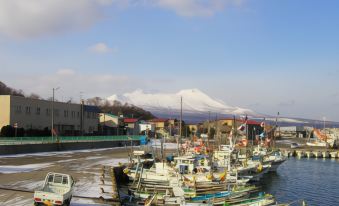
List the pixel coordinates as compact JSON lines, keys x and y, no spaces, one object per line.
{"x":144,"y":126}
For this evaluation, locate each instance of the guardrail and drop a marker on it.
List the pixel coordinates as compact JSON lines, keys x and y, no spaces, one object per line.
{"x":63,"y":139}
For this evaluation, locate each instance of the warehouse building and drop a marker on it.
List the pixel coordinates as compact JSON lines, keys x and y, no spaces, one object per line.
{"x":27,"y":113}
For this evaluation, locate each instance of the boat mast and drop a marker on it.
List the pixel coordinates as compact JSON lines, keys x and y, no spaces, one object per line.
{"x":276,"y":126}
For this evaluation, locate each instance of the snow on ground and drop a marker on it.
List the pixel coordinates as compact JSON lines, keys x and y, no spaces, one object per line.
{"x":113,"y":162}
{"x":18,"y":201}
{"x":29,"y":185}
{"x":9,"y":169}
{"x":68,"y":160}
{"x":93,"y":158}
{"x":83,"y":202}
{"x":47,"y":154}
{"x":88,"y":188}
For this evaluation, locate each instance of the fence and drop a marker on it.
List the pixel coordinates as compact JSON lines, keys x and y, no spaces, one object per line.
{"x":63,"y":139}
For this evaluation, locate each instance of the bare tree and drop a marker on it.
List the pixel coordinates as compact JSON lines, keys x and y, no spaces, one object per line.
{"x":34,"y":96}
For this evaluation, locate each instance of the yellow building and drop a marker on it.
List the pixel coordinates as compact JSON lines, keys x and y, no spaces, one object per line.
{"x":160,"y":124}
{"x":193,"y":128}
{"x":30,"y":113}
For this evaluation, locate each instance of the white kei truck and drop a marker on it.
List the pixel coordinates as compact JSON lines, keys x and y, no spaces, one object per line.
{"x":57,"y":190}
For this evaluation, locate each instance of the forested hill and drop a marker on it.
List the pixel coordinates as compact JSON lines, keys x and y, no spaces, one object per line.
{"x":5,"y":90}
{"x":117,"y":108}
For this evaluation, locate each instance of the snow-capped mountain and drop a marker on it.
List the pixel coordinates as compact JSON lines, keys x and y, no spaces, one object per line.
{"x":194,"y":101}
{"x":198,"y":106}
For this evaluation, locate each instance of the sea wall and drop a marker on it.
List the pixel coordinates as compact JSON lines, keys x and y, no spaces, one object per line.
{"x":65,"y":146}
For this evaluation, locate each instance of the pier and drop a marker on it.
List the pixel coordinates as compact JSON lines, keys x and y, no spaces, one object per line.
{"x":311,"y":153}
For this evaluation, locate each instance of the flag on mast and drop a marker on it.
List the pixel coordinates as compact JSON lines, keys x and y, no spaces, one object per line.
{"x":243,"y":126}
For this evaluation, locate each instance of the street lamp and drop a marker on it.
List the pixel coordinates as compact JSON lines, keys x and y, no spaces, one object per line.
{"x":52,"y":130}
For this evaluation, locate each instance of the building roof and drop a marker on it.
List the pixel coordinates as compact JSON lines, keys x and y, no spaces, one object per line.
{"x":130,"y":120}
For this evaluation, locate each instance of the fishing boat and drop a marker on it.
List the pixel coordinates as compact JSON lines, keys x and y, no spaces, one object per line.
{"x":261,"y":200}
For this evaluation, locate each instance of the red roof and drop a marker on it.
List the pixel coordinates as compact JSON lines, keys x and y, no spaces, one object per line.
{"x":130,"y":120}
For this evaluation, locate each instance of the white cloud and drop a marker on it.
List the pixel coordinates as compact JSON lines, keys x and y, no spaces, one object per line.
{"x":101,"y":48}
{"x":71,"y":83}
{"x":191,"y":8}
{"x":34,"y":18}
{"x":65,"y":72}
{"x":24,"y":19}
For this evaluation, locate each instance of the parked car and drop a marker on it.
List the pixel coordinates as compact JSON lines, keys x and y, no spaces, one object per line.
{"x":57,"y":190}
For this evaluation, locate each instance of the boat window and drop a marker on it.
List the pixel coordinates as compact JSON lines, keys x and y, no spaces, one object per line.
{"x":64,"y":180}
{"x":57,"y":179}
{"x":50,"y":178}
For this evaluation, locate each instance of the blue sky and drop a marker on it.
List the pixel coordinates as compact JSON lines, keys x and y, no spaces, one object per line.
{"x":268,"y":56}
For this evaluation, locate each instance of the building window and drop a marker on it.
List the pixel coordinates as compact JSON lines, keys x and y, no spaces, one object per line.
{"x":18,"y":109}
{"x":38,"y":110}
{"x":28,"y":110}
{"x":65,"y":113}
{"x":88,"y":115}
{"x":94,"y":115}
{"x":56,"y":112}
{"x":48,"y":112}
{"x":78,"y":115}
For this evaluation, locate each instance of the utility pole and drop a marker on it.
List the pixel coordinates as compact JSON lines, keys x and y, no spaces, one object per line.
{"x":209,"y":124}
{"x":180,"y":123}
{"x":52,"y":126}
{"x":82,"y":118}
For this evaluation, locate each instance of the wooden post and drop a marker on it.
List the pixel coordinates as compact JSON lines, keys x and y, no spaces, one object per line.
{"x":115,"y":194}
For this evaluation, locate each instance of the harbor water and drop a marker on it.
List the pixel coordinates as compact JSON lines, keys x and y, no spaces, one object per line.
{"x":314,"y":180}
